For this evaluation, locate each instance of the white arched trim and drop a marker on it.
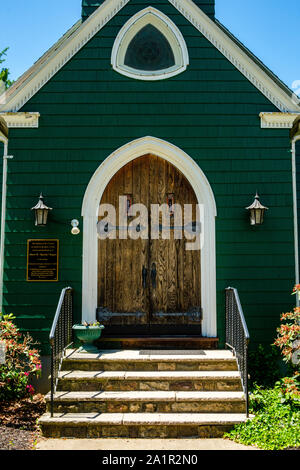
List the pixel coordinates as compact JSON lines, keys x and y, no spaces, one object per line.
{"x":174,"y":37}
{"x":204,"y":194}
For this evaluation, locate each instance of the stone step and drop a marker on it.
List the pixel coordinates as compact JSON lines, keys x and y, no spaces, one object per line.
{"x":148,"y":402}
{"x":149,"y":380}
{"x":146,"y":393}
{"x":138,"y":425}
{"x":152,"y":360}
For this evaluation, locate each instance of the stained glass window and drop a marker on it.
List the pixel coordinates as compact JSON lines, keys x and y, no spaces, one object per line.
{"x":149,"y":50}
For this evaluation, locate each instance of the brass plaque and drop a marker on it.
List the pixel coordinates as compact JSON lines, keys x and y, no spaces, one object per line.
{"x":42,"y":260}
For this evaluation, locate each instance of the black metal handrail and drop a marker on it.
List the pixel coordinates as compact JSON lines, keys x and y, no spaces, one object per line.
{"x":60,"y":336}
{"x":237,"y":336}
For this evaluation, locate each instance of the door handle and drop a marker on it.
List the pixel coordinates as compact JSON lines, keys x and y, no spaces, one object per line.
{"x":153,"y":275}
{"x":144,"y":277}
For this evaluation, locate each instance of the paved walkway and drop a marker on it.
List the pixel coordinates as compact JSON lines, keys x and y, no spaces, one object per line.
{"x":139,"y":444}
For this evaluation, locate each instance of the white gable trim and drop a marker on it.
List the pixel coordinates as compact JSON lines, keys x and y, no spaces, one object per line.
{"x":4,"y":140}
{"x":14,"y":98}
{"x":21,"y":120}
{"x":277,"y":120}
{"x":205,"y":197}
{"x":17,"y":95}
{"x":235,"y":55}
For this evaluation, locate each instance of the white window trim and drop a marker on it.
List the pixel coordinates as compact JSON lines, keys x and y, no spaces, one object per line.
{"x":176,"y":40}
{"x":90,"y":210}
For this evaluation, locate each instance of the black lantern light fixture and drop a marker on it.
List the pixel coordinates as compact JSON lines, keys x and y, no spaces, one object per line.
{"x":41,"y":212}
{"x":257,"y":211}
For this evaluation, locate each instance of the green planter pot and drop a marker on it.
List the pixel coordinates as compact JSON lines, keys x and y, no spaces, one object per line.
{"x":87,"y":335}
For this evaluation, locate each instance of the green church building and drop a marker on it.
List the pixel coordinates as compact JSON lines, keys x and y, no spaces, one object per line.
{"x":154,"y":102}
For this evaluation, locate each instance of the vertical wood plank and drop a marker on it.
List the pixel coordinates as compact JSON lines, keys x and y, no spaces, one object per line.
{"x":172,"y":280}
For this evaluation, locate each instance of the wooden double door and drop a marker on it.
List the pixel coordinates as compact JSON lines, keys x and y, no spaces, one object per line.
{"x":149,"y":285}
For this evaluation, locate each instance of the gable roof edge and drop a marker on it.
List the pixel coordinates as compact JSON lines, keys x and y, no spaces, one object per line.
{"x":56,"y":57}
{"x":50,"y":63}
{"x":253,"y":57}
{"x":237,"y":56}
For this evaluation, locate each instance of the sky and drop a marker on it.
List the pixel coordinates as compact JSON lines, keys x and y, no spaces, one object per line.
{"x":269,"y":28}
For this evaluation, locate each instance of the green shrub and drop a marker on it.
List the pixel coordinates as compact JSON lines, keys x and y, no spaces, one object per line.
{"x":22,"y":362}
{"x":276,"y":425}
{"x":290,"y":387}
{"x":288,"y":337}
{"x":264,"y":366}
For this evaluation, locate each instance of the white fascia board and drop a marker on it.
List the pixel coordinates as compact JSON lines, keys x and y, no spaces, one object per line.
{"x":17,"y":96}
{"x":236,"y":56}
{"x":44,"y":70}
{"x":277,"y":120}
{"x":3,"y":138}
{"x":21,"y":120}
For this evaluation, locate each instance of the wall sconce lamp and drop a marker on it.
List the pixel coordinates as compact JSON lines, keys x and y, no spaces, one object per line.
{"x":75,"y":230}
{"x":41,"y":212}
{"x":257,"y":211}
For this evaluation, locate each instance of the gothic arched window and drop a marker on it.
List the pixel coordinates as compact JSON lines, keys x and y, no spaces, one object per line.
{"x":150,"y":47}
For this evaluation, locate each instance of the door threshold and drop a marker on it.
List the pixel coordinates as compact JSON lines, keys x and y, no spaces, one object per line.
{"x":156,"y":337}
{"x":157,"y":342}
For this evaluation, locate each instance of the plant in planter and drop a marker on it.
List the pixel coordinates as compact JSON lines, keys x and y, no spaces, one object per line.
{"x":87,"y":333}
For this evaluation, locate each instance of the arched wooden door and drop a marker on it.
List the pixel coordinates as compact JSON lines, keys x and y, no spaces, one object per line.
{"x":149,"y":285}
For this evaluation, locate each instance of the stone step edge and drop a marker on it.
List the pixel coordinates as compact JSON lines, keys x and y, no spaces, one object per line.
{"x":148,"y":396}
{"x":165,"y":356}
{"x":151,"y":375}
{"x":145,"y":419}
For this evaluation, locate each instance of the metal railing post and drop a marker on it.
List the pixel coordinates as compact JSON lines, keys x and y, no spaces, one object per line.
{"x":237,"y":336}
{"x":60,"y":338}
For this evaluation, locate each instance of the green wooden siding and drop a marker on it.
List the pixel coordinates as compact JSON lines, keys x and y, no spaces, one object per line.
{"x":298,"y":189}
{"x":89,"y":6}
{"x":211,"y":111}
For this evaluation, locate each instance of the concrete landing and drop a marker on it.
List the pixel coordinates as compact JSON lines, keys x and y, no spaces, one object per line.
{"x":139,"y":444}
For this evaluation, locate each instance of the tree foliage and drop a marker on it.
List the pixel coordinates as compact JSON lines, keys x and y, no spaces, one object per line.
{"x":4,"y":72}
